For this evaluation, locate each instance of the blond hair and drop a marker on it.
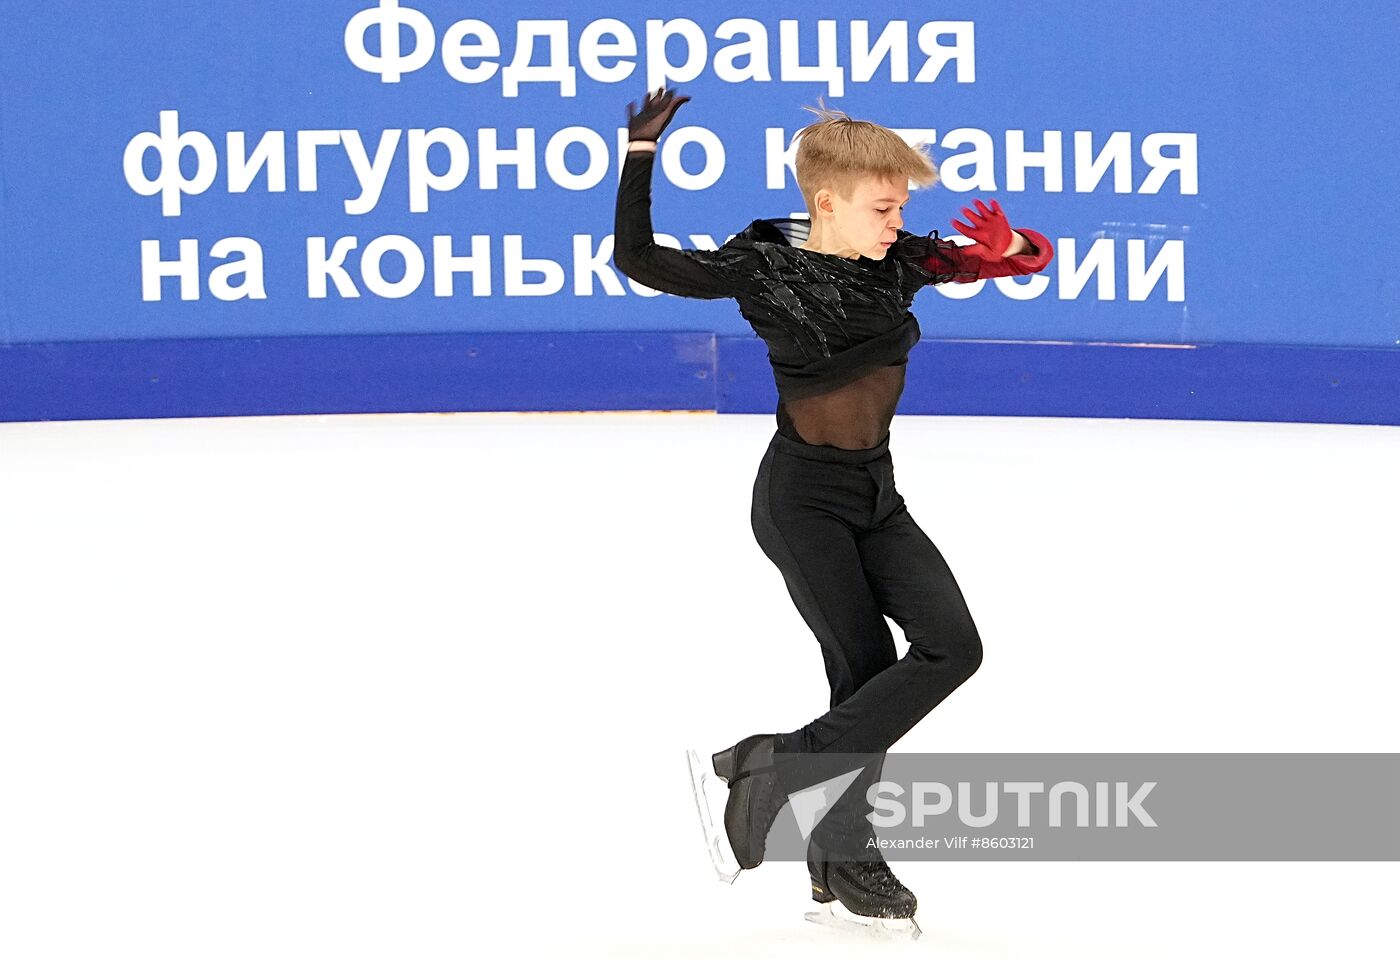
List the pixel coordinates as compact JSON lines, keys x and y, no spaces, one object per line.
{"x":838,"y":152}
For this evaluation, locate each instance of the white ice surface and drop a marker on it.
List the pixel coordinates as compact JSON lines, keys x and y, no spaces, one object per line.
{"x":420,"y":685}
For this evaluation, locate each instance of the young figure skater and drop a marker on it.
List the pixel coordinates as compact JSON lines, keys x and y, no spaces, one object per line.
{"x":830,"y":297}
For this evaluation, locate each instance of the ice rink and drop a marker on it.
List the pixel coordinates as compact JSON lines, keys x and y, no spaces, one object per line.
{"x":421,"y":685}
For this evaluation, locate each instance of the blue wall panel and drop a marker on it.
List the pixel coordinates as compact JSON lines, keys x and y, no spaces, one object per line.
{"x":356,"y":374}
{"x":676,"y":371}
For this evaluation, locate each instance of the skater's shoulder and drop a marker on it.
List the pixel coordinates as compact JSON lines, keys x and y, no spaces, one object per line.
{"x":782,"y":239}
{"x":777,"y":246}
{"x":772,"y":233}
{"x":783,"y":230}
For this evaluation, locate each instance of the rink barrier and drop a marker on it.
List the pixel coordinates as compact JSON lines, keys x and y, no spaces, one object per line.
{"x":445,"y":372}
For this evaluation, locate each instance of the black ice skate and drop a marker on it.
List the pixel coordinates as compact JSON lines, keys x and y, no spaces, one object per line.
{"x":755,"y":798}
{"x":753,"y":803}
{"x":870,"y":898}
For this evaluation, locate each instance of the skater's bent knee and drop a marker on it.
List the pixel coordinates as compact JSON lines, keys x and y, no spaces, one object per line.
{"x":960,"y":653}
{"x":973,"y":655}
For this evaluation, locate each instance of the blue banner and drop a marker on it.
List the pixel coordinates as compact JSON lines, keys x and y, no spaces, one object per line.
{"x":1208,"y":173}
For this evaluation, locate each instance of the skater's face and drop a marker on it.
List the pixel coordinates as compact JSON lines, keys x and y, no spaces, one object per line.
{"x":868,"y":222}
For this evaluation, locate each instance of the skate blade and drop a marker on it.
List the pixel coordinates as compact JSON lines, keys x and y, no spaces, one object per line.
{"x":870,"y":927}
{"x":716,"y":840}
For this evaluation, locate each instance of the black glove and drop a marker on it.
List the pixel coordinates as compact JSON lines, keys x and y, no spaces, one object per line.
{"x":657,"y":110}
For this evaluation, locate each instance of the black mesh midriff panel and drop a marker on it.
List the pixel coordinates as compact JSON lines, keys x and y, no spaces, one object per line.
{"x":854,"y":417}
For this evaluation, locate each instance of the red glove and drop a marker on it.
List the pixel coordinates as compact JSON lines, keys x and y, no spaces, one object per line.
{"x":992,"y":231}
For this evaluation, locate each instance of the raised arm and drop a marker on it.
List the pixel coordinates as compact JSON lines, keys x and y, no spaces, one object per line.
{"x":998,"y":251}
{"x":951,"y":263}
{"x":700,"y":274}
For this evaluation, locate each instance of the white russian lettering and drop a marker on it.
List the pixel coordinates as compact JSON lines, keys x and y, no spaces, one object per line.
{"x":1074,"y":274}
{"x":592,"y":49}
{"x":1170,"y":260}
{"x":413,"y":271}
{"x":826,"y":68}
{"x":1051,"y":160}
{"x":153,"y":268}
{"x":963,"y":52}
{"x":516,"y":266}
{"x":249,"y":265}
{"x":421,"y":177}
{"x":372,"y":175}
{"x":893,"y":43}
{"x":221,"y":285}
{"x":599,"y":158}
{"x":169,"y":144}
{"x":456,"y":50}
{"x":446,"y":265}
{"x":557,"y":70}
{"x":780,"y":157}
{"x":755,"y":48}
{"x":594,"y":263}
{"x":982,"y":159}
{"x":1161,"y":166}
{"x":271,"y":152}
{"x":490,"y":158}
{"x":319,"y":266}
{"x":308,"y":142}
{"x":390,"y":62}
{"x":712,"y":150}
{"x":1117,"y":153}
{"x":660,"y":70}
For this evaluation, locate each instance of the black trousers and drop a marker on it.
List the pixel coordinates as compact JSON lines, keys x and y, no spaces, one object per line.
{"x":850,"y":553}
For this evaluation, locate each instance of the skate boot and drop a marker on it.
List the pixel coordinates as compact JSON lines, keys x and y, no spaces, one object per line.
{"x":870,"y":898}
{"x":755,"y":796}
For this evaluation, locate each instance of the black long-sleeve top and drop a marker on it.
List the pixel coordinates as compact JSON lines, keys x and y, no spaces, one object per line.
{"x":838,"y":330}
